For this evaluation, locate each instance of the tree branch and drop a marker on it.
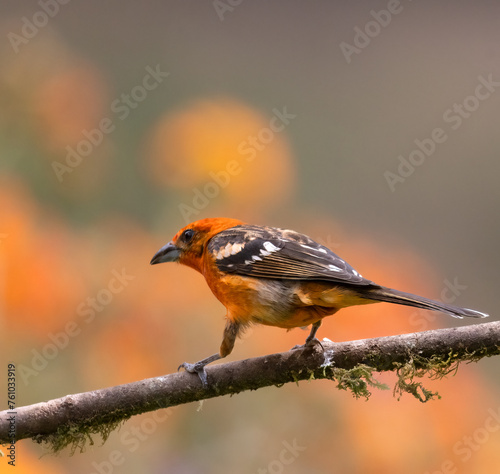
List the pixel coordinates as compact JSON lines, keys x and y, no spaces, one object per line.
{"x":73,"y":418}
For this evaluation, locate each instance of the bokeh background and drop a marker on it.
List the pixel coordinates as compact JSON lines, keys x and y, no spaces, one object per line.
{"x":121,"y":121}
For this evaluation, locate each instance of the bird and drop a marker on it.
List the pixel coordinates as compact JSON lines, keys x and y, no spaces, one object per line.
{"x":276,"y":277}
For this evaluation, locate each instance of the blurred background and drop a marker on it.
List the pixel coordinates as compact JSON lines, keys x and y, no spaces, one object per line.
{"x":370,"y":126}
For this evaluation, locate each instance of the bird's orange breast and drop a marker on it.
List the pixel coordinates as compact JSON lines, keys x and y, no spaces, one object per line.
{"x":282,"y":303}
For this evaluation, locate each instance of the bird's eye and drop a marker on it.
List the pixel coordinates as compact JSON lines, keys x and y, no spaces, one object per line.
{"x":188,"y":235}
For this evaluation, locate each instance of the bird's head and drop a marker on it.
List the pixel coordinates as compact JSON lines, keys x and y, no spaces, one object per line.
{"x":189,"y":243}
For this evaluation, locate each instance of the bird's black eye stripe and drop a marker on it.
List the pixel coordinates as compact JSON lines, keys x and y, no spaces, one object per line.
{"x":187,"y":235}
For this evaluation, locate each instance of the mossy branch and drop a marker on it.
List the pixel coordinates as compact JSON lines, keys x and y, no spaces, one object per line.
{"x":73,"y":419}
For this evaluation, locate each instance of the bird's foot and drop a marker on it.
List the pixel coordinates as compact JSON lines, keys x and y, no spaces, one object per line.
{"x":309,"y":343}
{"x":199,"y":368}
{"x":196,"y":368}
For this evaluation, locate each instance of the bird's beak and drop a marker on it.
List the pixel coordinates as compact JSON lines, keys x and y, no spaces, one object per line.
{"x":168,"y":253}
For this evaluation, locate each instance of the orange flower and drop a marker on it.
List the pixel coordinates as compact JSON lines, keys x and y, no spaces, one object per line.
{"x":224,"y":149}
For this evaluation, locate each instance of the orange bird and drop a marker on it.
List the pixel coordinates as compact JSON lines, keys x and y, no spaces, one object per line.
{"x":276,"y":277}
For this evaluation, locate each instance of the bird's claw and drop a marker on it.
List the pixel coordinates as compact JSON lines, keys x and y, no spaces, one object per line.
{"x":309,"y":343}
{"x":196,"y":368}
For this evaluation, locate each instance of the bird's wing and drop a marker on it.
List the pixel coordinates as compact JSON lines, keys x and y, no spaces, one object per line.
{"x":269,"y":252}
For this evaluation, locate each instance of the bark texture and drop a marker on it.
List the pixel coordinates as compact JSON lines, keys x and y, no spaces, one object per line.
{"x":71,"y":420}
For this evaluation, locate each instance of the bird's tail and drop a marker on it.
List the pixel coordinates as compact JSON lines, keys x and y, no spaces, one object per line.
{"x":399,"y":297}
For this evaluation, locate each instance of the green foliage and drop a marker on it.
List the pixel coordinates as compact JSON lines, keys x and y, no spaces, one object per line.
{"x":357,"y":380}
